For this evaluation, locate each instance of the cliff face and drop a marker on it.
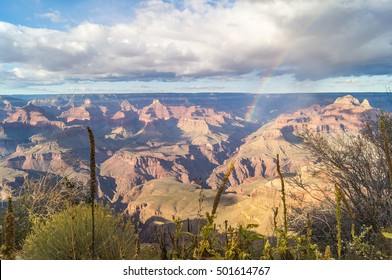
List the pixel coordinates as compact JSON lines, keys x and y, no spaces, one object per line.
{"x":46,"y":157}
{"x":130,"y":168}
{"x":2,"y":133}
{"x":346,"y":114}
{"x":257,"y":156}
{"x":135,"y":169}
{"x":155,"y":111}
{"x":77,"y":113}
{"x":32,"y":115}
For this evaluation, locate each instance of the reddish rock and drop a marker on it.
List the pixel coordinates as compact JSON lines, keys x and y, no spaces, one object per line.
{"x":257,"y":156}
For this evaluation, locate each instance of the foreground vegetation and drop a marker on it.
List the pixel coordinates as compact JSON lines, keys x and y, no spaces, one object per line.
{"x":60,"y":219}
{"x":67,"y":235}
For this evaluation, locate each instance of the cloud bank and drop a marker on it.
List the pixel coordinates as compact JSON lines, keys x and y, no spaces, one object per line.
{"x":308,"y":39}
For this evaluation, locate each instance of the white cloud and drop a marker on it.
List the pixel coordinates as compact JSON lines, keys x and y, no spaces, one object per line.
{"x":307,"y":38}
{"x":53,"y":16}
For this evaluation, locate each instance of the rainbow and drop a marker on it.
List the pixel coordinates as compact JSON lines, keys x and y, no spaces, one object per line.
{"x":280,"y":59}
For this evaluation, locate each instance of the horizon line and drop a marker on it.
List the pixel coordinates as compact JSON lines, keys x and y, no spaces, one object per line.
{"x":200,"y":92}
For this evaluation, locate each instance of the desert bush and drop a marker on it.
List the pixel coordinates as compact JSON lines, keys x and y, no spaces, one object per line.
{"x":149,"y":251}
{"x":358,"y":248}
{"x":9,"y":222}
{"x":49,"y":194}
{"x":290,"y":245}
{"x":242,"y":243}
{"x":67,"y":235}
{"x":360,"y":165}
{"x":39,"y":199}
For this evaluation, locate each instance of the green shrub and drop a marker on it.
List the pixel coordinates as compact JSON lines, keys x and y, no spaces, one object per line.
{"x":67,"y":235}
{"x":9,"y":245}
{"x":39,"y":199}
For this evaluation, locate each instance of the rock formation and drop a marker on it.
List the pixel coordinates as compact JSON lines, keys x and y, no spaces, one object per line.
{"x":257,"y":156}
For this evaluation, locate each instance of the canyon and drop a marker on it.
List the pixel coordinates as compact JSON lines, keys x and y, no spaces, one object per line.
{"x":155,"y":153}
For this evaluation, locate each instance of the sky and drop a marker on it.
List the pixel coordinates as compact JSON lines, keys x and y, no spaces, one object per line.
{"x":256,"y":46}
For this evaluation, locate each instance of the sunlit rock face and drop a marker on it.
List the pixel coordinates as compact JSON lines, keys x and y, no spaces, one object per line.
{"x":257,"y":156}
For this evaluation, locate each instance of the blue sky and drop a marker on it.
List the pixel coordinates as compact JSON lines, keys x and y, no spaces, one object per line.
{"x":253,"y":46}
